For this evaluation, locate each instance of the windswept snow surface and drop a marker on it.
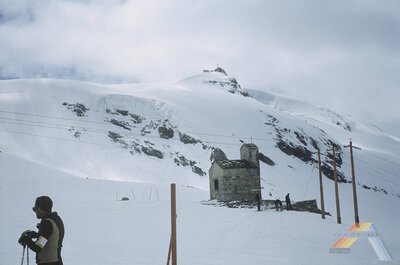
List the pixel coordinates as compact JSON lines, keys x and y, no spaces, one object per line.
{"x":84,"y":143}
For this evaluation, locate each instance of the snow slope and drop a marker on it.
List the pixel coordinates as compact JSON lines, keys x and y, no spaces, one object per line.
{"x":88,"y":141}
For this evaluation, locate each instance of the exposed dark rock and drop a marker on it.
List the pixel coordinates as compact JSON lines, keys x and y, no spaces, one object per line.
{"x":376,"y":189}
{"x":181,"y":160}
{"x":301,"y":138}
{"x":302,"y":206}
{"x":78,"y":108}
{"x":136,"y":118}
{"x":229,"y":82}
{"x":345,"y":126}
{"x":265,"y":159}
{"x":166,"y":133}
{"x":186,"y":139}
{"x":314,"y":143}
{"x":77,"y":133}
{"x":114,"y":136}
{"x":329,"y":173}
{"x":121,"y":124}
{"x":300,"y":152}
{"x":198,"y":170}
{"x":151,"y":126}
{"x":217,"y":155}
{"x":149,"y":143}
{"x":307,"y":206}
{"x":271,"y":119}
{"x":150,"y":151}
{"x":218,"y":69}
{"x":338,"y":153}
{"x":122,"y":112}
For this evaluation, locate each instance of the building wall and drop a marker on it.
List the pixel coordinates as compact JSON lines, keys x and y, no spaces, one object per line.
{"x":215,"y":173}
{"x":236,"y":184}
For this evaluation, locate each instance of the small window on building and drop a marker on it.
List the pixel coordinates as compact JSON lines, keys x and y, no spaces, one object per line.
{"x":216,"y":184}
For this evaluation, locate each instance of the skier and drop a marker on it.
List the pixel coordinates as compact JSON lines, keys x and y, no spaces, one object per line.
{"x":288,"y":204}
{"x":258,"y":199}
{"x":50,"y":235}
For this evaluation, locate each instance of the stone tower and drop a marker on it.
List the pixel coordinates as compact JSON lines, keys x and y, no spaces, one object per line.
{"x":249,"y":152}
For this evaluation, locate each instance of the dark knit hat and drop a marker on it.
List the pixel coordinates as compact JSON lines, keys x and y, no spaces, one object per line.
{"x":44,"y":203}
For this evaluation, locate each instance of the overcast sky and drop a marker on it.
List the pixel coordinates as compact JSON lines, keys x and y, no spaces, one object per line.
{"x":344,"y":55}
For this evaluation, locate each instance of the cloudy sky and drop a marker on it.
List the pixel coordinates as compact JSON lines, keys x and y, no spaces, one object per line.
{"x":344,"y":55}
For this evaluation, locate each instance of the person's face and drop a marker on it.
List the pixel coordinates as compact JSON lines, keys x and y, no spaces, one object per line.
{"x":39,"y":212}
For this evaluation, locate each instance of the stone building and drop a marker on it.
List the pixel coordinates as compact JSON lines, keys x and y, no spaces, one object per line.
{"x":236,"y":180}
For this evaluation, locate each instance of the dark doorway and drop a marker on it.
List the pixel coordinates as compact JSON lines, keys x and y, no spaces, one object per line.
{"x":216,"y":184}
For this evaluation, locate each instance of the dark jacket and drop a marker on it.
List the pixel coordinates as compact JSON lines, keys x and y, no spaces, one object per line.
{"x":49,"y":242}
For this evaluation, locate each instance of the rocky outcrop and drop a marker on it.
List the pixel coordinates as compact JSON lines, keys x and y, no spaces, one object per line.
{"x":180,"y":160}
{"x":165,"y":132}
{"x":187,"y":139}
{"x":150,"y":151}
{"x":301,"y":206}
{"x":78,"y":108}
{"x":217,"y":155}
{"x":122,"y":124}
{"x":265,"y":159}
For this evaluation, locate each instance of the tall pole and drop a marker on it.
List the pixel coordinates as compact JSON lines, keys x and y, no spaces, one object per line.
{"x":339,"y":221}
{"x":320,"y":186}
{"x":173,"y":223}
{"x":353,"y":178}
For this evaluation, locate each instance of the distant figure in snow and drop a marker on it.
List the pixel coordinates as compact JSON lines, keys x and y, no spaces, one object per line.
{"x":50,"y":236}
{"x":258,"y":200}
{"x":288,"y":204}
{"x":278,"y":204}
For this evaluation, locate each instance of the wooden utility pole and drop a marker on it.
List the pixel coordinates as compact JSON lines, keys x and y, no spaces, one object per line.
{"x":172,"y":246}
{"x":353,"y":178}
{"x":339,"y":221}
{"x":321,"y":190}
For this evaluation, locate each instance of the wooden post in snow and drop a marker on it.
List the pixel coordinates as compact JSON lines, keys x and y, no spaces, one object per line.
{"x":321,"y":190}
{"x":172,"y":245}
{"x":339,"y":220}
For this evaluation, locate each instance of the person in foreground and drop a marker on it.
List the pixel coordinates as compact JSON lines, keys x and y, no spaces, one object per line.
{"x":49,"y":238}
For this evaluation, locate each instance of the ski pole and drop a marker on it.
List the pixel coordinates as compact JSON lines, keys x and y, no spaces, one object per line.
{"x":27,"y":256}
{"x":23,"y":255}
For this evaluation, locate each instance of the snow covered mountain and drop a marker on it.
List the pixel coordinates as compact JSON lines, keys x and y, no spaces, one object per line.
{"x":155,"y":134}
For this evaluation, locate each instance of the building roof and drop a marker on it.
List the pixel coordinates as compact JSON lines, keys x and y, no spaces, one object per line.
{"x":249,"y":145}
{"x":226,"y":164}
